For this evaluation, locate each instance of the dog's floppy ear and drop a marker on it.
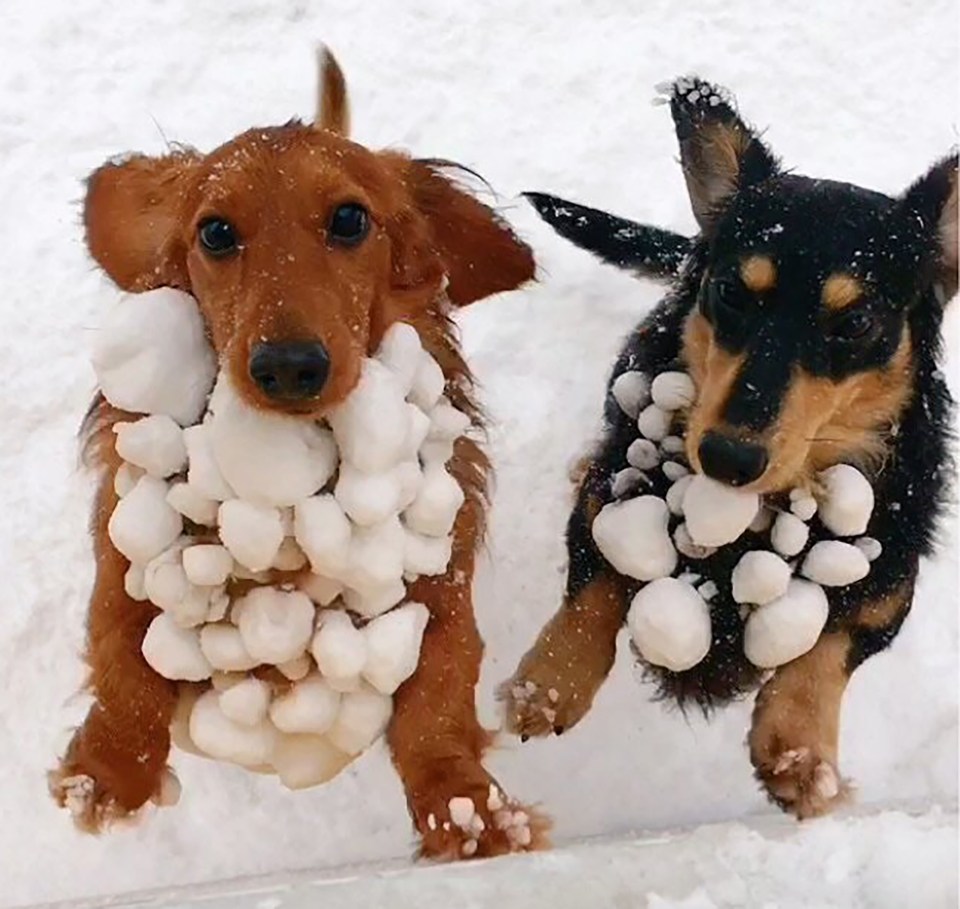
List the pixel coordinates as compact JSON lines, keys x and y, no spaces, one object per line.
{"x":719,"y":153}
{"x":132,"y":217}
{"x":463,"y":239}
{"x":333,"y":106}
{"x":932,"y":204}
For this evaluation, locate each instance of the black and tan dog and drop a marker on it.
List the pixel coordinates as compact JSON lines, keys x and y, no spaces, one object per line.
{"x":808,"y":314}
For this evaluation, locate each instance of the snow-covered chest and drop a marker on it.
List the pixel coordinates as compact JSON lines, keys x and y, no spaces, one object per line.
{"x":268,"y":541}
{"x":685,"y":538}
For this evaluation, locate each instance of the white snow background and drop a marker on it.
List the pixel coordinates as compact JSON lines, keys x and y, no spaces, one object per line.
{"x":551,"y":96}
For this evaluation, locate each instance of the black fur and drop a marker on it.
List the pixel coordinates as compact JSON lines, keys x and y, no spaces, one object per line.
{"x":810,"y":229}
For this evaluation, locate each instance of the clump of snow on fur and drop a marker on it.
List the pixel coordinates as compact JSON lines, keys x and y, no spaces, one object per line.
{"x":870,"y":547}
{"x":846,"y":500}
{"x":192,"y":504}
{"x":363,"y":717}
{"x":760,"y":577}
{"x":672,"y":391}
{"x":309,"y":706}
{"x":788,"y":627}
{"x":833,"y":563}
{"x":174,"y":652}
{"x":143,"y":524}
{"x":253,"y":533}
{"x":669,"y":623}
{"x":631,"y":391}
{"x":223,"y":646}
{"x":302,"y":761}
{"x":715,"y":513}
{"x":393,"y":646}
{"x":275,"y":625}
{"x":789,"y":534}
{"x":155,"y":444}
{"x":633,"y":537}
{"x":246,"y":702}
{"x":802,"y":504}
{"x":438,"y":500}
{"x":654,"y":422}
{"x":203,"y":472}
{"x":218,"y":736}
{"x":323,"y":532}
{"x":207,"y":564}
{"x":643,"y":454}
{"x":676,"y":493}
{"x":339,"y":648}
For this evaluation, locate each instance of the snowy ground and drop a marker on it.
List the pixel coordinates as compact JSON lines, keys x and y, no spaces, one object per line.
{"x":549,"y":96}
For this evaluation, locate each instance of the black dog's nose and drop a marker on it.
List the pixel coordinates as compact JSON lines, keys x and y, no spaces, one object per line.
{"x":731,"y":461}
{"x":290,"y":370}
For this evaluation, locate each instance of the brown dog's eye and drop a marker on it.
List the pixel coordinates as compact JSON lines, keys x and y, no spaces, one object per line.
{"x":348,"y":224}
{"x":217,"y":237}
{"x":853,"y":326}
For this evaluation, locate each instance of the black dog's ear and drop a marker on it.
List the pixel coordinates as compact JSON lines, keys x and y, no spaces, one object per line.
{"x":932,"y":204}
{"x":719,"y":153}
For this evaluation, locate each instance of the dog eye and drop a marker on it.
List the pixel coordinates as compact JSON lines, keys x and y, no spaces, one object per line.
{"x":349,"y":224}
{"x":853,"y":326}
{"x":217,"y":237}
{"x":722,"y":300}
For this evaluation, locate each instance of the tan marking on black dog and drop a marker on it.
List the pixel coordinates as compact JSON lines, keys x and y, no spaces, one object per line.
{"x":758,"y":273}
{"x":840,"y":291}
{"x":881,"y":613}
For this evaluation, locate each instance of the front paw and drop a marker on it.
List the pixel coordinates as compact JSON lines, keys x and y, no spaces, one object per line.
{"x":803,"y":783}
{"x":475,"y":820}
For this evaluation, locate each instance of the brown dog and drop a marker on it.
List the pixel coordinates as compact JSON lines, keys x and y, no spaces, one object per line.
{"x":296,"y":240}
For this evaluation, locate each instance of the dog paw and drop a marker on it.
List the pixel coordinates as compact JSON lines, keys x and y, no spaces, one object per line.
{"x":537,"y":701}
{"x":478,"y":822}
{"x":693,"y":99}
{"x":803,"y":784}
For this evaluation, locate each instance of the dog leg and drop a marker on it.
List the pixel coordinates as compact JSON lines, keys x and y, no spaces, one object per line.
{"x":117,"y":760}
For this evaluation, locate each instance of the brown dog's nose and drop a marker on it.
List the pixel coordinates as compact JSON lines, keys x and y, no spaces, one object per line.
{"x":731,"y":461}
{"x":290,"y":370}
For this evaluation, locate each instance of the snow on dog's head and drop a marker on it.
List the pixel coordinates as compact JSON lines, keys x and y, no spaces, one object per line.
{"x":300,"y":246}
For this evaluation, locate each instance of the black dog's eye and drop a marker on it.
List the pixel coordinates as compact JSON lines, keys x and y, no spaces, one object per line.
{"x":217,"y":237}
{"x":722,"y":300}
{"x":349,"y":224}
{"x":853,"y":326}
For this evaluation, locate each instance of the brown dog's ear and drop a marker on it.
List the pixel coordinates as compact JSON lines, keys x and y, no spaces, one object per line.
{"x":333,"y":106}
{"x":468,"y":242}
{"x":932,"y":201}
{"x":719,"y":153}
{"x":132,"y":215}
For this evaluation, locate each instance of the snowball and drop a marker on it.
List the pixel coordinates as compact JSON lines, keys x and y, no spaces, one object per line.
{"x":393,"y":646}
{"x":789,"y":534}
{"x":676,"y":493}
{"x":760,"y":577}
{"x":400,"y":352}
{"x":151,"y":356}
{"x":207,"y":564}
{"x":673,"y":445}
{"x":143,"y":524}
{"x":289,"y":557}
{"x":323,"y":532}
{"x":375,"y":557}
{"x":654,"y":423}
{"x":846,"y":500}
{"x":669,"y":623}
{"x":788,"y":627}
{"x":870,"y":547}
{"x":631,"y":391}
{"x":632,"y":536}
{"x":268,"y":458}
{"x":323,"y":591}
{"x":435,"y":508}
{"x":246,"y":702}
{"x":174,"y":652}
{"x":673,"y":470}
{"x":368,"y":498}
{"x":625,"y":481}
{"x":192,"y":504}
{"x":446,"y":422}
{"x":168,"y":587}
{"x":216,"y":735}
{"x":802,"y":504}
{"x":275,"y":625}
{"x":673,"y":391}
{"x":428,"y":383}
{"x":252,"y":533}
{"x":374,"y":601}
{"x":835,"y":564}
{"x":362,"y":719}
{"x":686,"y":546}
{"x":222,"y":645}
{"x":371,"y":426}
{"x":716,"y":513}
{"x":424,"y":555}
{"x":203,"y":474}
{"x":309,"y":706}
{"x":643,"y":454}
{"x":154,"y":444}
{"x":307,"y":760}
{"x":133,"y":583}
{"x":125,"y":479}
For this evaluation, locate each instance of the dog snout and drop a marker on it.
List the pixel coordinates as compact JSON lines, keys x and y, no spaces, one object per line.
{"x":290,"y":370}
{"x":730,"y":460}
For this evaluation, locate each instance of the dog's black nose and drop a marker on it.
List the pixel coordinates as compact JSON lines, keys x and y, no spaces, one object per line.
{"x":731,"y":461}
{"x":290,"y":370}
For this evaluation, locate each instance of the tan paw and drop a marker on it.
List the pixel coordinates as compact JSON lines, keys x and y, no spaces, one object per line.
{"x":477,"y":822}
{"x":803,"y":784}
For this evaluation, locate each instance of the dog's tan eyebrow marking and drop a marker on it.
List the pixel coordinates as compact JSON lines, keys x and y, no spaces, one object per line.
{"x":840,"y":291}
{"x":758,"y":273}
